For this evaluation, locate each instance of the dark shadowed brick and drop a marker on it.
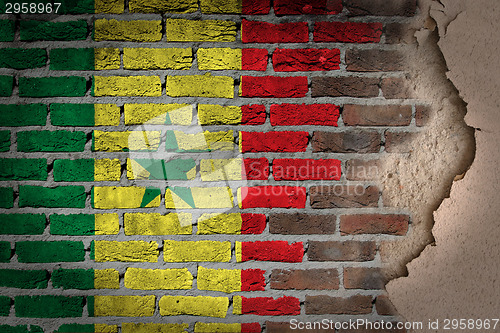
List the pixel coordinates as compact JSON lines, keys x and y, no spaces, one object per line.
{"x":377,"y":115}
{"x":373,"y":60}
{"x":345,"y":86}
{"x":301,"y":224}
{"x":381,"y":7}
{"x":346,"y":142}
{"x":343,"y":196}
{"x":341,"y":251}
{"x":323,"y":304}
{"x":318,"y":279}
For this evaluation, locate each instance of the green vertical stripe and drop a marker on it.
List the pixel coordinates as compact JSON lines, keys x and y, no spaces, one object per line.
{"x":82,"y":279}
{"x":82,"y":59}
{"x":90,"y":305}
{"x":72,"y":114}
{"x":74,"y":170}
{"x":73,"y":224}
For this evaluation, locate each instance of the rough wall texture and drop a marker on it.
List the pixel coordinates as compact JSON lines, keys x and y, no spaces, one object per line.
{"x":168,"y":165}
{"x":463,"y":263}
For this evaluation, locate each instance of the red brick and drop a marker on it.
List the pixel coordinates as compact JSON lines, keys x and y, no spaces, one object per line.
{"x":256,"y":168}
{"x":253,"y":114}
{"x":362,"y":169}
{"x":268,"y":306}
{"x":301,"y":224}
{"x":344,"y":86}
{"x":396,"y":88}
{"x":296,"y":60}
{"x":286,"y":141}
{"x":344,"y":196}
{"x":296,"y":7}
{"x":363,"y":278}
{"x":381,"y":7}
{"x":341,"y":251}
{"x":422,"y":115}
{"x":272,"y":251}
{"x":324,"y":304}
{"x":263,"y":32}
{"x":400,"y":142}
{"x":253,"y":223}
{"x":384,"y":306}
{"x":374,"y":60}
{"x":274,"y":86}
{"x":253,"y":280}
{"x":304,"y":114}
{"x":374,"y":224}
{"x":316,"y":279}
{"x":347,"y":32}
{"x":273,"y":197}
{"x":346,"y":142}
{"x":397,"y":33}
{"x":305,"y":169}
{"x":250,"y":328}
{"x":254,"y":59}
{"x":377,"y":115}
{"x":255,"y":7}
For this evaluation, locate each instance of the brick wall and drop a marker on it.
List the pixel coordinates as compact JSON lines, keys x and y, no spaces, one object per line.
{"x":212,"y":168}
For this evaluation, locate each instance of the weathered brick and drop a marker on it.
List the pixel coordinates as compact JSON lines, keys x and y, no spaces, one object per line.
{"x":422,"y":115}
{"x":84,"y":59}
{"x":254,"y":114}
{"x":121,"y":306}
{"x":127,"y":251}
{"x":23,"y":114}
{"x":158,"y":114}
{"x":195,"y":306}
{"x":53,"y":31}
{"x":297,"y":60}
{"x":46,"y":252}
{"x":200,"y":86}
{"x":322,"y":304}
{"x":200,"y":327}
{"x":396,"y":88}
{"x":266,"y":306}
{"x":127,"y":31}
{"x":304,"y":114}
{"x":7,"y":30}
{"x":159,"y":6}
{"x":373,"y":60}
{"x":157,"y":224}
{"x":86,"y":170}
{"x":347,"y":32}
{"x":198,"y":251}
{"x":274,"y":86}
{"x":57,"y":197}
{"x":5,"y":302}
{"x":397,"y":33}
{"x":177,"y":197}
{"x":269,"y":251}
{"x":317,"y":279}
{"x":106,"y":279}
{"x":232,"y":223}
{"x":6,"y":85}
{"x":147,"y":58}
{"x":181,"y":30}
{"x":391,"y":224}
{"x":82,"y":279}
{"x":126,"y":86}
{"x":229,"y":58}
{"x":301,"y":224}
{"x":346,"y":142}
{"x":153,"y":327}
{"x":293,"y":7}
{"x":23,"y":169}
{"x":371,"y":329}
{"x":363,"y":278}
{"x":224,"y":280}
{"x":360,"y":87}
{"x":206,"y":141}
{"x":6,"y":197}
{"x":305,"y":169}
{"x":246,"y":7}
{"x":362,"y":169}
{"x":84,"y":224}
{"x":256,"y":168}
{"x":400,"y":142}
{"x":64,"y":86}
{"x":341,"y":251}
{"x":377,"y":115}
{"x":272,"y":197}
{"x":22,"y":224}
{"x":381,"y":7}
{"x":49,"y":306}
{"x":65,"y":328}
{"x":263,"y":32}
{"x":158,"y":279}
{"x":384,"y":306}
{"x":285,"y":327}
{"x":285,"y":141}
{"x":5,"y":251}
{"x":4,"y":141}
{"x":125,"y":141}
{"x":19,"y":58}
{"x":343,"y":196}
{"x":63,"y":114}
{"x":179,"y":169}
{"x":24,"y":279}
